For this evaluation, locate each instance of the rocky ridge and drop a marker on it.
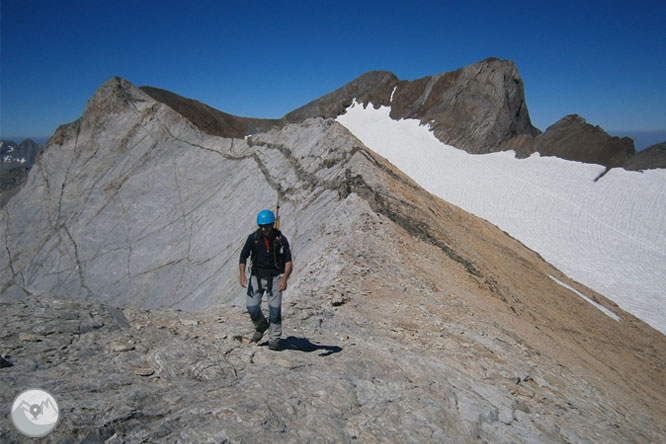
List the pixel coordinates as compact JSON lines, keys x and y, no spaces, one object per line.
{"x":479,"y":108}
{"x":407,"y":319}
{"x":210,"y":120}
{"x":652,"y":157}
{"x":474,"y":108}
{"x":572,"y":138}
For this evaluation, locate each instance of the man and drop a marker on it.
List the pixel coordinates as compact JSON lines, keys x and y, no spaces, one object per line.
{"x":270,"y":270}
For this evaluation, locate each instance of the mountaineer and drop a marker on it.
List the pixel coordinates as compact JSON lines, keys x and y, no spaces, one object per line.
{"x":270,"y":268}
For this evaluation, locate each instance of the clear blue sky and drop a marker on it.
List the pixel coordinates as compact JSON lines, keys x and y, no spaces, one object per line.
{"x":604,"y":60}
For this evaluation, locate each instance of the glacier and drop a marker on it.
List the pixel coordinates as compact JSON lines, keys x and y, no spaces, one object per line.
{"x":607,"y":231}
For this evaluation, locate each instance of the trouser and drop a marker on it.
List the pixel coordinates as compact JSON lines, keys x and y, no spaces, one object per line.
{"x":256,"y":289}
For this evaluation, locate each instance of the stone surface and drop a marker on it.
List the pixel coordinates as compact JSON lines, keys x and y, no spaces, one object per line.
{"x":410,"y":372}
{"x":406,"y":319}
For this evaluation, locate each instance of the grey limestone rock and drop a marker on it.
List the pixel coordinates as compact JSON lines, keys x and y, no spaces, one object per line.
{"x":406,"y":319}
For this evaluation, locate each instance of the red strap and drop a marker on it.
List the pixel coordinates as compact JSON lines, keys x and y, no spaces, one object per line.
{"x":268,"y":248}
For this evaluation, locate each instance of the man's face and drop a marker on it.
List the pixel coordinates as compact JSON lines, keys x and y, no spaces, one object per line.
{"x":266,"y":229}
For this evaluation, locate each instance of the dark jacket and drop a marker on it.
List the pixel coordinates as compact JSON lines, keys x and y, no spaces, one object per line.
{"x":268,"y":258}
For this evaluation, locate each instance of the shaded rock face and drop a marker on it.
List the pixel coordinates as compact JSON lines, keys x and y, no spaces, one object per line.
{"x":572,"y":138}
{"x":474,"y":108}
{"x":406,"y":319}
{"x":372,"y":87}
{"x":210,"y":120}
{"x":651,"y":157}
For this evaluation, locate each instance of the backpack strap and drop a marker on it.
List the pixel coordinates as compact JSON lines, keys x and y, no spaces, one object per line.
{"x":276,"y":245}
{"x":255,"y":245}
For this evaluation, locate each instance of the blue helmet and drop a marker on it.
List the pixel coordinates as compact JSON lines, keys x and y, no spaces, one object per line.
{"x":265,"y":217}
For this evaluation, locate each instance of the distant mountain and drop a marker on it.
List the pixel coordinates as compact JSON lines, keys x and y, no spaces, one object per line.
{"x":21,"y":155}
{"x":572,"y":138}
{"x":15,"y":162}
{"x":651,"y":157}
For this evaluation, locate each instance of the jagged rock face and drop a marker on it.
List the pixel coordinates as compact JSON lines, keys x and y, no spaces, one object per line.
{"x":474,"y":108}
{"x":572,"y":138}
{"x":372,"y":87}
{"x":131,"y":204}
{"x":427,"y":324}
{"x":651,"y":157}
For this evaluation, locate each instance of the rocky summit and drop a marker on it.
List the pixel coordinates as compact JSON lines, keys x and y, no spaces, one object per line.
{"x":406,"y":318}
{"x":572,"y":138}
{"x":481,"y":108}
{"x":474,"y":108}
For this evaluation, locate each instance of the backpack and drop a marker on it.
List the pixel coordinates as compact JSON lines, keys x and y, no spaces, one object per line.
{"x":277,"y":248}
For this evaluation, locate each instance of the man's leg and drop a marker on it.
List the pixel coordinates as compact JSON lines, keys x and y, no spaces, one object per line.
{"x":253,"y":302}
{"x":275,"y":311}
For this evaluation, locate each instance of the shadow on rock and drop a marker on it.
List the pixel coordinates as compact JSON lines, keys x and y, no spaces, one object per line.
{"x":304,"y":345}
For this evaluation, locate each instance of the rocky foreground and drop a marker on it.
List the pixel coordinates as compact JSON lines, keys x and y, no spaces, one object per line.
{"x":406,"y":320}
{"x":131,"y":375}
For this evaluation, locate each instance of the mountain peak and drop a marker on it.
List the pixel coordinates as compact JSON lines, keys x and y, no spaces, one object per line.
{"x":372,"y":87}
{"x":573,"y":138}
{"x":474,"y":108}
{"x":114,"y":96}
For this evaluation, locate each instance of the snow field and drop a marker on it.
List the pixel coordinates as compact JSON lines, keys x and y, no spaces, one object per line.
{"x":609,"y":235}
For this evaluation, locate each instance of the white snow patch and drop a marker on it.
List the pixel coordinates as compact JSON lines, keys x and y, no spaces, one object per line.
{"x":609,"y":235}
{"x":599,"y":306}
{"x":393,"y":92}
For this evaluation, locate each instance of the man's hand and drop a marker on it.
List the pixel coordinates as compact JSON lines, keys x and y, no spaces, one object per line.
{"x":287,"y":272}
{"x":243,"y":278}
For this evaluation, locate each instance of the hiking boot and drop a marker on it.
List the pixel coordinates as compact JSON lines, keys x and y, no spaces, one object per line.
{"x":258,"y":334}
{"x":274,"y":345}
